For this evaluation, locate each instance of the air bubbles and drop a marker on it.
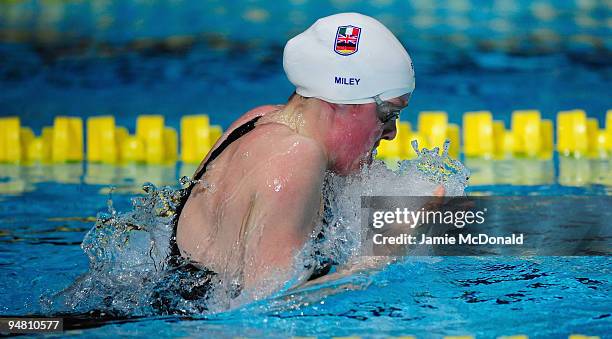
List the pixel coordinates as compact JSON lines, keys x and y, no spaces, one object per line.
{"x":418,"y":177}
{"x":148,"y":187}
{"x":438,"y":168}
{"x":184,"y":180}
{"x":109,"y":201}
{"x":277,"y":185}
{"x":125,"y":249}
{"x":415,"y":146}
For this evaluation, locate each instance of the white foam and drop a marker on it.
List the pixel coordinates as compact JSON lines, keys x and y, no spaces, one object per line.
{"x":127,"y":251}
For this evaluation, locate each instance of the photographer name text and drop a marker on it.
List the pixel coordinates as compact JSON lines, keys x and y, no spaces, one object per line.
{"x":460,"y":239}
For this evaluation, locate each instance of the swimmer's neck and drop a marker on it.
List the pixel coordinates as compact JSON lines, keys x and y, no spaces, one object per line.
{"x":309,"y":118}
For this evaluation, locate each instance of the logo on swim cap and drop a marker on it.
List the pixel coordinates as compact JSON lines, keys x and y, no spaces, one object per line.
{"x":347,"y":40}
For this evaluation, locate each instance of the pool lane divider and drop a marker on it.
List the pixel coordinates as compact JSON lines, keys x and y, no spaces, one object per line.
{"x":10,"y":140}
{"x":478,"y":137}
{"x":572,"y":134}
{"x":67,"y":139}
{"x":159,"y":143}
{"x":107,"y":143}
{"x":104,"y":140}
{"x":482,"y":137}
{"x":526,"y":133}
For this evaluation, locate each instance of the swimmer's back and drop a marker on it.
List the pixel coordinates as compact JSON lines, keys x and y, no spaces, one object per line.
{"x":224,"y":225}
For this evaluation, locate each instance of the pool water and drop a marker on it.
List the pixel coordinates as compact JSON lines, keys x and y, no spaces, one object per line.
{"x":190,"y":57}
{"x":42,"y":229}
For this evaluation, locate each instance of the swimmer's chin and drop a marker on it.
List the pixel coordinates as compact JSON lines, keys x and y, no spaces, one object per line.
{"x":350,"y":169}
{"x":365,"y":160}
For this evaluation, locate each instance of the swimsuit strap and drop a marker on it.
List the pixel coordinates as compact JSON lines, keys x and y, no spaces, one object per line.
{"x":174,"y":260}
{"x":233,"y":136}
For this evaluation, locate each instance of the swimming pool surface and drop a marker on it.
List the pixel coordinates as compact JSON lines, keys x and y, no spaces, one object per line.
{"x":42,"y":229}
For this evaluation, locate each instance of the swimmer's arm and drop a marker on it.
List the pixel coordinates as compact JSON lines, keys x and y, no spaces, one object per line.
{"x":369,"y":264}
{"x":289,"y":195}
{"x":361,"y":265}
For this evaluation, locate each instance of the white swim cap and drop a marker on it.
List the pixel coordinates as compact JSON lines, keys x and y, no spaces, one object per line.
{"x":348,"y":58}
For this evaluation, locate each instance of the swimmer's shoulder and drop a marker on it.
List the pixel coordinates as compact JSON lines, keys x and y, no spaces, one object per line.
{"x":252,"y":114}
{"x":288,"y":154}
{"x":277,"y":139}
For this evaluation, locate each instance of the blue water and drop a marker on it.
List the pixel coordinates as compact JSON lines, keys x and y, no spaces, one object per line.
{"x":119,"y":57}
{"x":202,"y":80}
{"x":44,"y":224}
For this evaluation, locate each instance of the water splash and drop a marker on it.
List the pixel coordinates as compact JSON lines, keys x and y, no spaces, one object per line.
{"x":417,"y":177}
{"x":127,"y":257}
{"x":438,"y":168}
{"x":128,"y":251}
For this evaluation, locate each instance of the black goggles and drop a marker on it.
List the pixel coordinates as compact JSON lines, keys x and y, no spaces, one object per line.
{"x":386,"y":110}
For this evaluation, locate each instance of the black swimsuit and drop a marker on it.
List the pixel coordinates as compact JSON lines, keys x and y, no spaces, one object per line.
{"x":235,"y":135}
{"x":182,"y":278}
{"x":193,"y":282}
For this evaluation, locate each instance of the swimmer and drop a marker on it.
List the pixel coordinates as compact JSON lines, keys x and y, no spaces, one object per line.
{"x":260,"y":190}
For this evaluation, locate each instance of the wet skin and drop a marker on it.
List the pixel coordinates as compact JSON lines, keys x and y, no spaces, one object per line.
{"x":260,"y":199}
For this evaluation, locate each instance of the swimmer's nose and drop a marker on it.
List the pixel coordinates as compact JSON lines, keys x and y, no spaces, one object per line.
{"x":389,"y":130}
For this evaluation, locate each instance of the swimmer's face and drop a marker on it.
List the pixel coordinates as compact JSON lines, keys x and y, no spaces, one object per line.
{"x":357,"y":131}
